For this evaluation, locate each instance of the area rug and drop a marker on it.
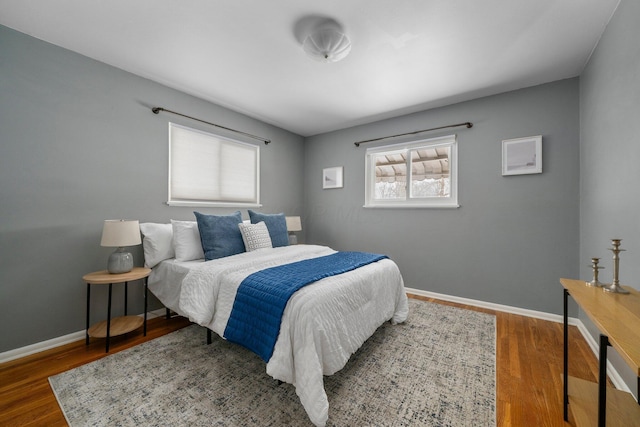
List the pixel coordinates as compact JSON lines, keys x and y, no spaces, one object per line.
{"x":437,"y":369}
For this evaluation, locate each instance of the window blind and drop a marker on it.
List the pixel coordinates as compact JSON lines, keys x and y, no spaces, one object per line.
{"x":208,"y":169}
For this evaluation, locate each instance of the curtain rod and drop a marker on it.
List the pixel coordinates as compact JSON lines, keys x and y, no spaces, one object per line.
{"x":467,"y":124}
{"x":157,"y":110}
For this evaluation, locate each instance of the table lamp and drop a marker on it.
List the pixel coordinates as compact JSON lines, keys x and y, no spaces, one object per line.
{"x":293,"y":225}
{"x":119,"y":233}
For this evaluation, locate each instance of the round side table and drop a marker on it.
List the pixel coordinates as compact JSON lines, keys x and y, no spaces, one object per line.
{"x":121,"y":324}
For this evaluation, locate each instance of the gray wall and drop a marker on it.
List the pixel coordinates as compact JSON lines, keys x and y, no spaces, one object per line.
{"x":512,"y":237}
{"x":78,"y":145}
{"x":609,"y":156}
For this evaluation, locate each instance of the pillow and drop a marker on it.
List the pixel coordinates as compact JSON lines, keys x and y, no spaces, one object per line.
{"x":220,"y":235}
{"x":255,"y":236}
{"x":186,"y":240}
{"x":276,"y":224}
{"x":156,"y":243}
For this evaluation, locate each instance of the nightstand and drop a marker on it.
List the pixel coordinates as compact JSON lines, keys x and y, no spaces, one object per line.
{"x":122,"y":324}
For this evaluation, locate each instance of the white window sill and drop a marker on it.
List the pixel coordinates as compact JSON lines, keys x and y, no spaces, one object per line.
{"x":214,"y":204}
{"x":411,"y":206}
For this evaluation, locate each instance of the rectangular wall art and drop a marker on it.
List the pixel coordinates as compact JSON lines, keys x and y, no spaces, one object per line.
{"x":522,"y":155}
{"x":332,"y":177}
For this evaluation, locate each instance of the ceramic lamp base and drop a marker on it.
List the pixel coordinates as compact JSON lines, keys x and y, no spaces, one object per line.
{"x":120,"y":262}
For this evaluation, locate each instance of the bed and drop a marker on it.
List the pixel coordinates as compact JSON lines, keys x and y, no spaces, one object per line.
{"x":322,"y":324}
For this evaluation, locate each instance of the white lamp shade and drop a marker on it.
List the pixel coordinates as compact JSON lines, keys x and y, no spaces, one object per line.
{"x":293,"y":223}
{"x":120,"y":232}
{"x":327,"y":44}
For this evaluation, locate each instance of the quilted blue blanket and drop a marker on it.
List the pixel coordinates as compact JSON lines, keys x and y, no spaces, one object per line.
{"x":262,"y":297}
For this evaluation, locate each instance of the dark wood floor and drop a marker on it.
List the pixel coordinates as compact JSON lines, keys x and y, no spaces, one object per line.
{"x":529,"y":371}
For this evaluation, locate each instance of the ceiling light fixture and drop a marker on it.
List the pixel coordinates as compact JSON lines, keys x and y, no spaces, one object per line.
{"x":327,"y":43}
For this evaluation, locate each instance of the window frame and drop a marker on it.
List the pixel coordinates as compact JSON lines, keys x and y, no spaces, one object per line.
{"x":171,"y":201}
{"x":451,"y":201}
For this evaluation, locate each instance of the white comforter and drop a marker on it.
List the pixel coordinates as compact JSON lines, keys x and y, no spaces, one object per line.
{"x":323,"y":323}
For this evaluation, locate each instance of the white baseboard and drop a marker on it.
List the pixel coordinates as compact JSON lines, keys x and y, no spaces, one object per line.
{"x":28,"y":350}
{"x":492,"y":306}
{"x":615,"y":377}
{"x":41,"y":346}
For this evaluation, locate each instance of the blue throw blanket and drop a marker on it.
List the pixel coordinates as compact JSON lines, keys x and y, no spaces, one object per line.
{"x":262,"y":297}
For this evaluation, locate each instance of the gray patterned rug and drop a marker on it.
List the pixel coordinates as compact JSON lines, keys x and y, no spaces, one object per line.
{"x":437,"y":369}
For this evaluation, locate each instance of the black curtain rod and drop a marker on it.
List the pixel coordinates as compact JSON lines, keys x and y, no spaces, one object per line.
{"x":157,"y":110}
{"x":467,"y":124}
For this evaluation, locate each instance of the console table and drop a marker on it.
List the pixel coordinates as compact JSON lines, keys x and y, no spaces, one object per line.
{"x":617,"y":317}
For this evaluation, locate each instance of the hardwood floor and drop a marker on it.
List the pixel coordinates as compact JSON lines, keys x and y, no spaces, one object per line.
{"x":528,"y":371}
{"x":26,"y":398}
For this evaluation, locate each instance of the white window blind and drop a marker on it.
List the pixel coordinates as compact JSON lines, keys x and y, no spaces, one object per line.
{"x":211,"y":170}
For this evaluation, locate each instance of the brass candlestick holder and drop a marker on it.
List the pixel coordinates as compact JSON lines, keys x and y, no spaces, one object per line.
{"x":595,"y":267}
{"x":615,"y":285}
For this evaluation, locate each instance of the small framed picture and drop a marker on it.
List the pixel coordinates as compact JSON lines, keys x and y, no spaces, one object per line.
{"x":332,"y":177}
{"x":522,"y":155}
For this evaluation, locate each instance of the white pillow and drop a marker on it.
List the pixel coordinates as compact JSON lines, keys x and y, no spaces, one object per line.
{"x":157,"y":243}
{"x":255,"y":236}
{"x":186,"y":240}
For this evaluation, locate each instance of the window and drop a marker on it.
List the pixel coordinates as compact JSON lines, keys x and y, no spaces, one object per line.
{"x":415,"y":174}
{"x":211,"y":170}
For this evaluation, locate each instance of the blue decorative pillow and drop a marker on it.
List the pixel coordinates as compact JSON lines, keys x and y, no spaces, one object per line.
{"x":276,"y":224}
{"x":220,"y":235}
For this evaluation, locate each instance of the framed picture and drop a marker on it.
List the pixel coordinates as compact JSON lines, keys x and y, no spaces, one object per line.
{"x":332,"y":177}
{"x":522,"y":155}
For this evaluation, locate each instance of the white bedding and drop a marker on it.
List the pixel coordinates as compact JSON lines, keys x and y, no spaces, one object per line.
{"x":322,"y":325}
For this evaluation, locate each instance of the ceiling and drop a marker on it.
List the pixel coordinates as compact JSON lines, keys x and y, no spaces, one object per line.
{"x":407,"y":55}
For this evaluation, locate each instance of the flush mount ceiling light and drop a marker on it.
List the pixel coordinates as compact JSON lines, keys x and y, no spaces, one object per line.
{"x":327,"y":43}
